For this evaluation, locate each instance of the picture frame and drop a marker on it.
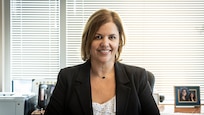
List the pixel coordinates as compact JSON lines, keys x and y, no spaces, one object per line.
{"x":187,"y":96}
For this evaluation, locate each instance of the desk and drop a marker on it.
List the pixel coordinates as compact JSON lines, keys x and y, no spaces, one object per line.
{"x":171,"y":110}
{"x":164,"y":110}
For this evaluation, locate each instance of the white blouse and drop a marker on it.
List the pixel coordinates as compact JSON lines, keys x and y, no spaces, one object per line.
{"x":107,"y":108}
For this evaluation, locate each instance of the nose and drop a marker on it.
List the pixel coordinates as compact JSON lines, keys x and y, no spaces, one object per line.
{"x":105,"y":41}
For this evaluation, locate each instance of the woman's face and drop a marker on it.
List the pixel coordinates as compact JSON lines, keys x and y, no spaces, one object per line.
{"x":105,"y":44}
{"x":192,"y":94}
{"x":184,"y":92}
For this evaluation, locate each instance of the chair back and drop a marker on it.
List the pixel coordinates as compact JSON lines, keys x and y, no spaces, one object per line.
{"x":151,"y":79}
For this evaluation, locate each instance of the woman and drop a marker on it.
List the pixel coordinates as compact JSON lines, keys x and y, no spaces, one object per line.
{"x":192,"y":96}
{"x":183,"y":95}
{"x":102,"y":85}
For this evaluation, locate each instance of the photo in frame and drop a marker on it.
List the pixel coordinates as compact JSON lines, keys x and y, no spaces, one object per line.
{"x":187,"y":96}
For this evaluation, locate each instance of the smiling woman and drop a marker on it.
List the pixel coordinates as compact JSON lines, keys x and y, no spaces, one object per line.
{"x":102,"y":85}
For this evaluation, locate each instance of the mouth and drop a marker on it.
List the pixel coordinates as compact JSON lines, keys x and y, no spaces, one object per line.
{"x":104,"y":51}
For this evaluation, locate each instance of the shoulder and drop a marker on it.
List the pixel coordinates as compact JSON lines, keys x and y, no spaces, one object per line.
{"x":133,"y":73}
{"x":129,"y":68}
{"x":68,"y":73}
{"x":71,"y":68}
{"x":75,"y":68}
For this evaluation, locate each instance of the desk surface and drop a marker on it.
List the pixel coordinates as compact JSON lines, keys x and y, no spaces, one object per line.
{"x":171,"y":110}
{"x":164,"y":110}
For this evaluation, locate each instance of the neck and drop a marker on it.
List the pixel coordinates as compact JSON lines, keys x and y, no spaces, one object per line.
{"x":102,"y":71}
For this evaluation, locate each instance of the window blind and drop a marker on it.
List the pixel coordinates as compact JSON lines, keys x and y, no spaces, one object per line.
{"x":34,"y":39}
{"x":163,"y":36}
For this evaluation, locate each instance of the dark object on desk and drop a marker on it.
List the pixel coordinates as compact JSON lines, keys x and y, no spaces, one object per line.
{"x":161,"y":98}
{"x":44,"y":94}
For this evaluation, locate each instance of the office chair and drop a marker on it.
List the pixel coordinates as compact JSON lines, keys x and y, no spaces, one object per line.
{"x":151,"y":80}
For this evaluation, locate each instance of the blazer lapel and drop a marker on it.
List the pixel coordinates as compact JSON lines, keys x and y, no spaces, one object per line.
{"x":83,"y":88}
{"x":122,"y":90}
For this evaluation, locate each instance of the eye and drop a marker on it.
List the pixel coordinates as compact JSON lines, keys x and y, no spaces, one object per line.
{"x":112,"y":37}
{"x":98,"y":37}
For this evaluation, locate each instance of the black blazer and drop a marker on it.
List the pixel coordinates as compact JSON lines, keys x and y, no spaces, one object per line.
{"x":72,"y":94}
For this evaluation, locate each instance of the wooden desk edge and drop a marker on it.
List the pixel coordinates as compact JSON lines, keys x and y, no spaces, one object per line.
{"x":170,"y":108}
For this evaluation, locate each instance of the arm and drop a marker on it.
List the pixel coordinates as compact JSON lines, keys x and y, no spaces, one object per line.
{"x":56,"y":104}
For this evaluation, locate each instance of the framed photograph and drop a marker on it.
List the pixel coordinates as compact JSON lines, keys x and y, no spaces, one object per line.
{"x":187,"y":96}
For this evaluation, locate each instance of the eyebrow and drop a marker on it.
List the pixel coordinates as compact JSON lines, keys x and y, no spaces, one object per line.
{"x":108,"y":35}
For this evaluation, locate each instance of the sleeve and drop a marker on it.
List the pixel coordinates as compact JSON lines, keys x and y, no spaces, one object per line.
{"x":148,"y":104}
{"x":56,"y":104}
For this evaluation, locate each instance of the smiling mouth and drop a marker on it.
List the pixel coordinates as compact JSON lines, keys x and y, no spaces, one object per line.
{"x":104,"y":51}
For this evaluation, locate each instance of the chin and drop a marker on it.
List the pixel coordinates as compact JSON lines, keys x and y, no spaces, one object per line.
{"x":107,"y":60}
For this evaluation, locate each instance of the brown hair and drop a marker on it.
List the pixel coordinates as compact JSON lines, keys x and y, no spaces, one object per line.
{"x":95,"y":21}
